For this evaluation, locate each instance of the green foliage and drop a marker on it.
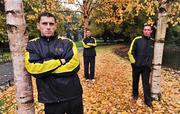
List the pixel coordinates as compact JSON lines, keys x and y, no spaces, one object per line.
{"x":126,"y":18}
{"x":122,"y":20}
{"x":33,"y":32}
{"x":79,"y":43}
{"x":96,"y":29}
{"x":3,"y":33}
{"x":127,"y":30}
{"x":34,"y":7}
{"x":1,"y":106}
{"x":72,"y":24}
{"x":133,"y":27}
{"x":173,"y":35}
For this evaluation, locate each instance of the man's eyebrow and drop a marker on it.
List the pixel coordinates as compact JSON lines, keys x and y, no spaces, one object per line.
{"x":48,"y":23}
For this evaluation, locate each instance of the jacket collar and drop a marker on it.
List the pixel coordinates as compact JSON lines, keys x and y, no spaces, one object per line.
{"x":88,"y":37}
{"x":49,"y":38}
{"x":145,"y":37}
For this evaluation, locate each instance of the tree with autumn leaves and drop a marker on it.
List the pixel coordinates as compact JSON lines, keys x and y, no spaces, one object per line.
{"x":18,"y":37}
{"x":118,"y":11}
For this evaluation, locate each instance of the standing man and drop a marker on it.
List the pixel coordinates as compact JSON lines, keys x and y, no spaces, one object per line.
{"x":54,"y":62}
{"x":141,"y":55}
{"x":89,"y":54}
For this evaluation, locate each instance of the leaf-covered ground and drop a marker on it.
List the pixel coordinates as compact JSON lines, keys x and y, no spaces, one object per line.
{"x":111,"y":91}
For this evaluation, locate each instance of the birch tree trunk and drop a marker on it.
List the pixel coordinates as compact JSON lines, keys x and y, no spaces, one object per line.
{"x":18,"y":36}
{"x":87,"y":7}
{"x":85,"y":17}
{"x":158,"y":50}
{"x":86,"y":24}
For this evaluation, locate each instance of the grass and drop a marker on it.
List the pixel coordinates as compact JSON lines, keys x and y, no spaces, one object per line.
{"x":1,"y":106}
{"x":79,"y":44}
{"x":7,"y":54}
{"x":99,"y":43}
{"x":6,"y":57}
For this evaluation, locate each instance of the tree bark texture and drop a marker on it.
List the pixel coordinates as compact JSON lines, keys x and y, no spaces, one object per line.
{"x":85,"y":16}
{"x":158,"y":50}
{"x":18,"y":37}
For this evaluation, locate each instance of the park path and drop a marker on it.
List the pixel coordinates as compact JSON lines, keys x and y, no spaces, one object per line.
{"x":6,"y":75}
{"x":111,"y":91}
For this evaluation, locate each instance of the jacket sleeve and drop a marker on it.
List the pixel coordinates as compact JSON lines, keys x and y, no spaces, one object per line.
{"x":85,"y":44}
{"x":131,"y":51}
{"x":93,"y":44}
{"x":35,"y":65}
{"x":72,"y":60}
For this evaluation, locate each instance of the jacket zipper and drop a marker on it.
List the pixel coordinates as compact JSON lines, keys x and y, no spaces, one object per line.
{"x":48,"y":45}
{"x":58,"y":99}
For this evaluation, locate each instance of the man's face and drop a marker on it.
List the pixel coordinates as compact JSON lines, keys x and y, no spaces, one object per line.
{"x":88,"y":33}
{"x":147,"y":31}
{"x":47,"y":26}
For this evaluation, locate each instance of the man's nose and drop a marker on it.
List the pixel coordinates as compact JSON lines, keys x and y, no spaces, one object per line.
{"x":48,"y":26}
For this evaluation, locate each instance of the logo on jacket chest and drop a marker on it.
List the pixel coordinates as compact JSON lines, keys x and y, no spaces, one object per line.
{"x":59,"y":49}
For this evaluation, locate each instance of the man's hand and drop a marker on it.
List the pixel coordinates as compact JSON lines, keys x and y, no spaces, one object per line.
{"x":63,"y":61}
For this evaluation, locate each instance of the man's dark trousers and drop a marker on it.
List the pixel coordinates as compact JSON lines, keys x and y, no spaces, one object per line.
{"x":89,"y":61}
{"x":74,"y":106}
{"x":144,"y":71}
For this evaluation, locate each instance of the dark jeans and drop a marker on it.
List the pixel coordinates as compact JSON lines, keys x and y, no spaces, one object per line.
{"x":144,"y":71}
{"x":74,"y":106}
{"x":89,"y":61}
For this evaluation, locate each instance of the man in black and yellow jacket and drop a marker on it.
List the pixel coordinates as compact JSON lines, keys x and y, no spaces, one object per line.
{"x":141,"y":55}
{"x":89,"y":54}
{"x":54,"y":62}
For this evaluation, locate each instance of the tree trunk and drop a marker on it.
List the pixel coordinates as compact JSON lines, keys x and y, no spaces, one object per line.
{"x":85,"y":17}
{"x":86,"y":24}
{"x":158,"y":50}
{"x":18,"y":36}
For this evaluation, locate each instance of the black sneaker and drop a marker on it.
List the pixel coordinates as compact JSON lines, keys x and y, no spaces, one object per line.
{"x":149,"y":104}
{"x":135,"y":97}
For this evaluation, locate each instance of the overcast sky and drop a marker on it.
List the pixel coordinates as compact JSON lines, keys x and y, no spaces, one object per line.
{"x":72,"y":6}
{"x":81,"y":1}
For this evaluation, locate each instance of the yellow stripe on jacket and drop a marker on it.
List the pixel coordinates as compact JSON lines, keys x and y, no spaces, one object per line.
{"x":38,"y":68}
{"x":131,"y":57}
{"x":72,"y":64}
{"x":85,"y":45}
{"x":92,"y":44}
{"x":89,"y":45}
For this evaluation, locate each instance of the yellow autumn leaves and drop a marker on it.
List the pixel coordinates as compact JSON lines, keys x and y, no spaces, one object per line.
{"x":113,"y":11}
{"x":111,"y":91}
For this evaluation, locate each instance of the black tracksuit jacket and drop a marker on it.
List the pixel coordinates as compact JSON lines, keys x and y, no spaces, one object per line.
{"x":141,"y":51}
{"x":89,"y":45}
{"x":55,"y":81}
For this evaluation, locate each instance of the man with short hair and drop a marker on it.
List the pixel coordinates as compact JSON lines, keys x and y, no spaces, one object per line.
{"x":89,"y":53}
{"x":141,"y":55}
{"x":54,"y":62}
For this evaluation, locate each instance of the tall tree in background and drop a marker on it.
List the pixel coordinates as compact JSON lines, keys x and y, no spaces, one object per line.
{"x":125,"y":15}
{"x":162,"y":24}
{"x":3,"y":34}
{"x":18,"y":36}
{"x":118,"y":11}
{"x":87,"y":7}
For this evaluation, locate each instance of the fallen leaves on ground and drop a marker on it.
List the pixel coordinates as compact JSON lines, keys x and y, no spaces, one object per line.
{"x":111,"y":91}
